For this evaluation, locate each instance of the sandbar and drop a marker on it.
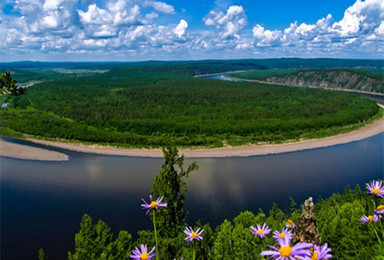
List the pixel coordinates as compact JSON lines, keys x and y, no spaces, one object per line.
{"x":20,"y":151}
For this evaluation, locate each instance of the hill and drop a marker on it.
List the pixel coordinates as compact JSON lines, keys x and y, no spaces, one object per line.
{"x":350,"y":79}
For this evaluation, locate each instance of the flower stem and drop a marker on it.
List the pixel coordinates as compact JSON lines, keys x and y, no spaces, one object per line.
{"x":382,"y":229}
{"x":378,"y":238}
{"x":154,"y":227}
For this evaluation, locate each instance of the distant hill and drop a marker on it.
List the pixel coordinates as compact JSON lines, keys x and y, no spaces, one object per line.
{"x":333,"y":78}
{"x":217,"y":65}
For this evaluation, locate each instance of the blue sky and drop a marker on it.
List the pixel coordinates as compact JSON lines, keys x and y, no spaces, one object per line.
{"x":132,"y":30}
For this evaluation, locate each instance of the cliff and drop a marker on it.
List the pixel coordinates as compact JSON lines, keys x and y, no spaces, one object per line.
{"x":334,"y":79}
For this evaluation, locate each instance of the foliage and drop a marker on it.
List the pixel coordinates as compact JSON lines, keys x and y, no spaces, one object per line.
{"x":8,"y":85}
{"x":42,"y":255}
{"x":170,"y":183}
{"x":260,"y":74}
{"x":96,"y":242}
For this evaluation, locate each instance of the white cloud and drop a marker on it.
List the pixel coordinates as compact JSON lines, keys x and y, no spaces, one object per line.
{"x":232,"y":22}
{"x":180,"y":28}
{"x":361,"y":17}
{"x":151,"y":16}
{"x":161,"y":7}
{"x":265,"y":37}
{"x":130,"y":28}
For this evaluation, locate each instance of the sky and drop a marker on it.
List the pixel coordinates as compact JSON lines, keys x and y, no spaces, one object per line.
{"x":136,"y":30}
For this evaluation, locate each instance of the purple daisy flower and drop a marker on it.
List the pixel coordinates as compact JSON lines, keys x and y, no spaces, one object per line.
{"x":153,"y":204}
{"x":290,"y":224}
{"x":369,"y":219}
{"x":379,"y":210}
{"x":284,"y":234}
{"x":286,"y":252}
{"x":143,"y":255}
{"x":376,"y":188}
{"x":321,"y":252}
{"x":260,"y":231}
{"x":191,"y":235}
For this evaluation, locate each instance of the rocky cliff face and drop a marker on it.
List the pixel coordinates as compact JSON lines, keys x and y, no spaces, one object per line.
{"x":334,"y":79}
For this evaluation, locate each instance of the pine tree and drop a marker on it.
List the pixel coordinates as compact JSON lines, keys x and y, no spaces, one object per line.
{"x":8,"y":85}
{"x":170,"y":183}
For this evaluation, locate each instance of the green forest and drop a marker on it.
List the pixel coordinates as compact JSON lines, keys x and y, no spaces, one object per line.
{"x":151,"y":106}
{"x":337,"y":221}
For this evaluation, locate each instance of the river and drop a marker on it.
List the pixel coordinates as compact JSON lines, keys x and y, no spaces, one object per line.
{"x":42,"y":202}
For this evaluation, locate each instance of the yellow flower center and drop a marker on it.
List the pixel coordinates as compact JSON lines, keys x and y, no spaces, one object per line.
{"x":194,"y":235}
{"x":380,"y":208}
{"x":370,"y":218}
{"x":314,"y":256}
{"x":144,"y":256}
{"x":285,"y":251}
{"x":290,"y":223}
{"x":376,"y":191}
{"x":282,"y":235}
{"x":153,"y":204}
{"x":260,"y":232}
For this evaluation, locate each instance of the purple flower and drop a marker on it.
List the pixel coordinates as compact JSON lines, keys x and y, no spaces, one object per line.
{"x":260,"y":231}
{"x":369,"y":219}
{"x":379,"y":210}
{"x":191,"y":235}
{"x":290,"y":224}
{"x":143,"y":255}
{"x":153,"y":204}
{"x":376,"y":188}
{"x":286,"y":252}
{"x":321,"y":252}
{"x":284,"y":234}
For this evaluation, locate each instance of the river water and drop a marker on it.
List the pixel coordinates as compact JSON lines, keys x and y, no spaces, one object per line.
{"x":42,"y":202}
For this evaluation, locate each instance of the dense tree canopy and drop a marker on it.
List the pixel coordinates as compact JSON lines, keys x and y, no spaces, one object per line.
{"x":150,"y":106}
{"x":8,"y":85}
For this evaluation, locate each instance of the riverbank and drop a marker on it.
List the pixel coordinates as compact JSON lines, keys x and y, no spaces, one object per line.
{"x":19,"y":151}
{"x":26,"y":152}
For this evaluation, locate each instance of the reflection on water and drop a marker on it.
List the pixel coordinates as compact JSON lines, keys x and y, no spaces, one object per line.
{"x":42,"y":202}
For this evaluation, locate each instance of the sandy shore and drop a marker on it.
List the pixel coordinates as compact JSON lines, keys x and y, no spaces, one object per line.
{"x":27,"y":152}
{"x":19,"y":151}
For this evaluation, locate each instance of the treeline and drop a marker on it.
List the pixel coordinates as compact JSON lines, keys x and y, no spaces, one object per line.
{"x":337,"y":220}
{"x":131,"y":106}
{"x":280,"y":63}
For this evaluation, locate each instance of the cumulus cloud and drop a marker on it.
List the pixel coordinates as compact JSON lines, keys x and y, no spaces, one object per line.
{"x":231,"y":22}
{"x":160,"y":6}
{"x":361,"y":17}
{"x":180,"y":28}
{"x":360,"y":29}
{"x":266,"y":37}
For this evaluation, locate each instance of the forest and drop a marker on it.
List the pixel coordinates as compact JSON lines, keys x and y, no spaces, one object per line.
{"x":345,"y":223}
{"x":154,"y":105}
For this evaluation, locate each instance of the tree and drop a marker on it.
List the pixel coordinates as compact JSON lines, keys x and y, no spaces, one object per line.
{"x":170,"y":183}
{"x":95,"y":242}
{"x":42,"y":255}
{"x":8,"y":85}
